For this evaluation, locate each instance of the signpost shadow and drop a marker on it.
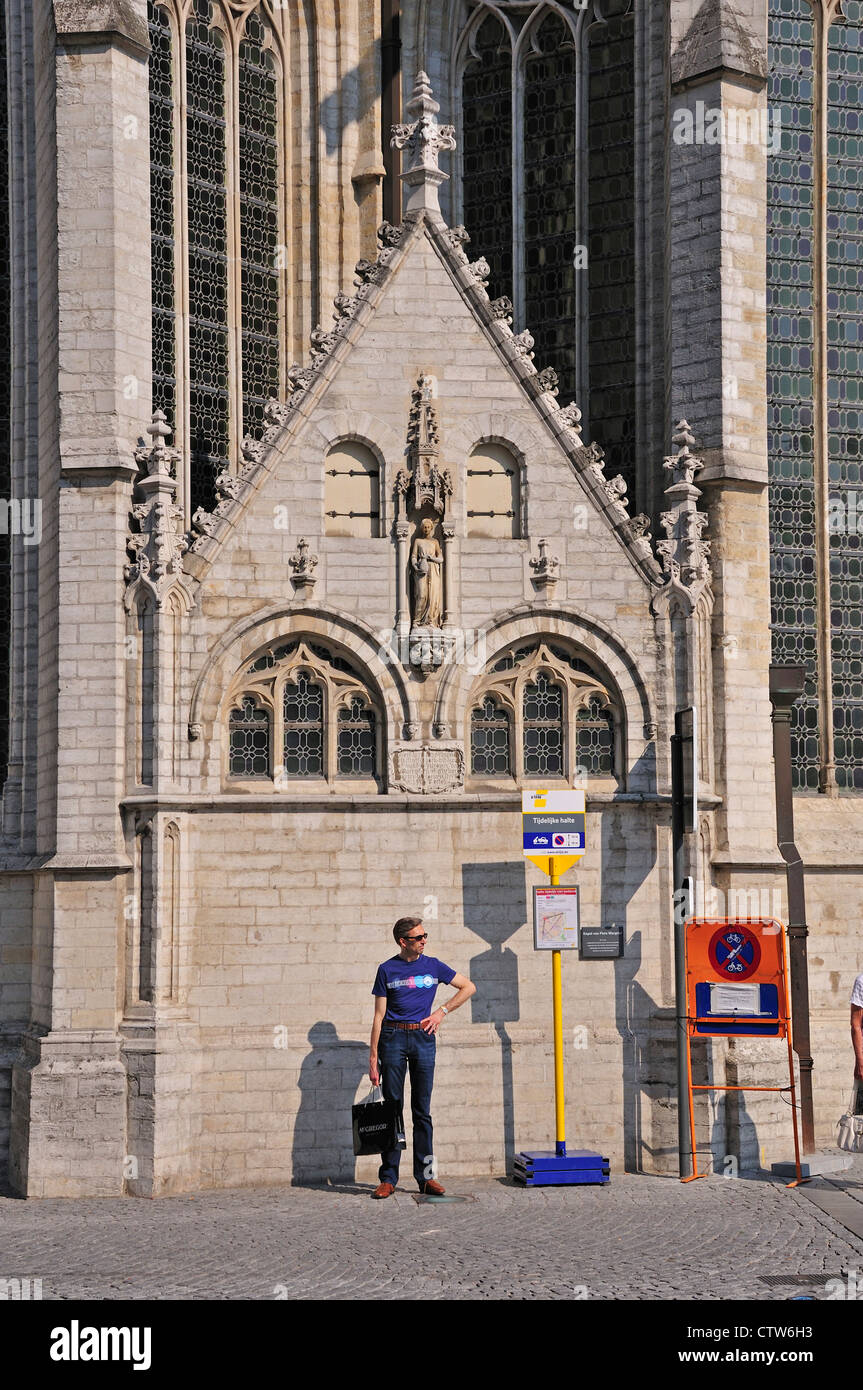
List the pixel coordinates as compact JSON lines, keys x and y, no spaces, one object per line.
{"x":493,"y":900}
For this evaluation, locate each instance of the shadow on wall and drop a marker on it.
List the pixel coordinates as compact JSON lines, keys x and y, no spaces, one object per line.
{"x":627,"y":860}
{"x":493,"y":899}
{"x":323,"y":1141}
{"x":352,"y":100}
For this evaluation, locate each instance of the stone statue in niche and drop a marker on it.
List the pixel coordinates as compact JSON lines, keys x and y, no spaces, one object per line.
{"x":427,"y":571}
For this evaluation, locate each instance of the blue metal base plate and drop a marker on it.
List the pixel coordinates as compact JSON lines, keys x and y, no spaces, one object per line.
{"x":542,"y":1168}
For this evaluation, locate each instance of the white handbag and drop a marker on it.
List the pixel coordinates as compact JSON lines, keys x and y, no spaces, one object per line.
{"x":850,"y":1128}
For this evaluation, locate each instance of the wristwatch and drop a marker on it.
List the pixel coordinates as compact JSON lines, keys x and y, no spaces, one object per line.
{"x":444,"y":1010}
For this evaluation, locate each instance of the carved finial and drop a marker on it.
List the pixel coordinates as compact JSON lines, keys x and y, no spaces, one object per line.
{"x":545,"y":569}
{"x":157,"y":544}
{"x":424,"y":140}
{"x":303,"y":564}
{"x":685,"y":556}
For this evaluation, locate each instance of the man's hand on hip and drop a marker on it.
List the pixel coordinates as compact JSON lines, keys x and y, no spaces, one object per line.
{"x":433,"y":1022}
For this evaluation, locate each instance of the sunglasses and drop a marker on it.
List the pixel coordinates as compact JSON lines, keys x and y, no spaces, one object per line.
{"x":423,"y":936}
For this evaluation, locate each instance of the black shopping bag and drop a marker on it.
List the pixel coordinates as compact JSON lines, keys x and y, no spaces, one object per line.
{"x":378,"y":1125}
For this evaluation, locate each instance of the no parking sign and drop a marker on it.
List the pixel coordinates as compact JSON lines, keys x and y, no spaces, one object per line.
{"x":735,"y":977}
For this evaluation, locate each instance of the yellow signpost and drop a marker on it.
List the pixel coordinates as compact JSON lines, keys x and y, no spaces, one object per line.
{"x":553,"y":838}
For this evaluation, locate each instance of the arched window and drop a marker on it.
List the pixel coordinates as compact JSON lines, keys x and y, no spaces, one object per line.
{"x":540,"y":712}
{"x":352,"y":491}
{"x":493,"y":493}
{"x":815,"y":402}
{"x":545,"y":96}
{"x":302,"y":716}
{"x":217,"y":229}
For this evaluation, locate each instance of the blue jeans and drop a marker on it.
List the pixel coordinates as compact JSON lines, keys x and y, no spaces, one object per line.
{"x":399,"y":1051}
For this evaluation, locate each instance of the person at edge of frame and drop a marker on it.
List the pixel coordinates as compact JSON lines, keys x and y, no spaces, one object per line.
{"x":403,"y":1039}
{"x":857,"y":1027}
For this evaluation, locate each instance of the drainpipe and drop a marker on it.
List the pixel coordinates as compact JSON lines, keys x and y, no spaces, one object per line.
{"x":786,"y":686}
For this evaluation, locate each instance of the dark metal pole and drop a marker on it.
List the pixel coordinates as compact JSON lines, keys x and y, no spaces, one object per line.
{"x":682,"y":906}
{"x":786,"y":685}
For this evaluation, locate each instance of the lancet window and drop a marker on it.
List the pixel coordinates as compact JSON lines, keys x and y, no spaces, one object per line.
{"x":217,"y":228}
{"x":545,"y":101}
{"x":815,"y":367}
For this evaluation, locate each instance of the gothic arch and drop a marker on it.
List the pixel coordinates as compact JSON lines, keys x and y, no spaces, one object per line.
{"x":342,"y":631}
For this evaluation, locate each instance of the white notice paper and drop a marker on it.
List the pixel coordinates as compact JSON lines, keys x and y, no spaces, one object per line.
{"x":735,"y":999}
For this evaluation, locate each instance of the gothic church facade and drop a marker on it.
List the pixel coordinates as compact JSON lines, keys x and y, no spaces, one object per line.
{"x":417,"y":404}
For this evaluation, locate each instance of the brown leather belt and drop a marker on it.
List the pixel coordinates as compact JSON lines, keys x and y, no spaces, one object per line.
{"x":407,"y":1027}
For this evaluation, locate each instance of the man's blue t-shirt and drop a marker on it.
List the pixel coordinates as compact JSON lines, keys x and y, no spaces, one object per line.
{"x":409,"y":987}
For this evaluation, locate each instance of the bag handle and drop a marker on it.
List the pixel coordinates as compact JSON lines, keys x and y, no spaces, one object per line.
{"x":371,"y":1099}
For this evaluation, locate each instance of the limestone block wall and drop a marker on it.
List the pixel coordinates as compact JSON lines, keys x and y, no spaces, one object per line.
{"x":294,"y":914}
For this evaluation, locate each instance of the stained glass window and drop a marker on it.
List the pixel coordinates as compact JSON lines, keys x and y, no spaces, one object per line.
{"x":522,"y":193}
{"x":611,"y":244}
{"x":487,"y":153}
{"x":235,"y":320}
{"x":543,"y":728}
{"x":490,"y":741}
{"x":845,"y":384}
{"x":796,"y":396}
{"x":162,"y":212}
{"x":304,"y":728}
{"x":208,"y":254}
{"x":5,"y":407}
{"x":560,"y":721}
{"x":790,"y":330}
{"x":249,"y":740}
{"x":259,"y":224}
{"x":356,"y":733}
{"x":549,"y":199}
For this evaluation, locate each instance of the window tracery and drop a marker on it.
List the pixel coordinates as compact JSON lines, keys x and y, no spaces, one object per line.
{"x":300,"y":714}
{"x":540,"y":712}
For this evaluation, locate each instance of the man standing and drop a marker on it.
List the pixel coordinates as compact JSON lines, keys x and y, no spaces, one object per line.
{"x":403,"y":1038}
{"x":857,"y":1027}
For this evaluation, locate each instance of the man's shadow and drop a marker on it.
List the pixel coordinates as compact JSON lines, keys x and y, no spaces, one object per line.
{"x":493,"y":898}
{"x":323,"y":1148}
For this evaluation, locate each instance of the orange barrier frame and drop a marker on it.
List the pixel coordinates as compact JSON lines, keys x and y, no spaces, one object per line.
{"x":784,"y":1018}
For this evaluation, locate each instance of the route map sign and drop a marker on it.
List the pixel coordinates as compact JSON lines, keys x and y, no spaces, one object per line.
{"x":555,"y":918}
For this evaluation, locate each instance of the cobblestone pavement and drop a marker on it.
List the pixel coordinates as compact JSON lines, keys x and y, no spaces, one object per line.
{"x":638,"y":1238}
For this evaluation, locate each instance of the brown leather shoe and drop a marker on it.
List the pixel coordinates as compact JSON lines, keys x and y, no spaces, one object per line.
{"x":432,"y":1189}
{"x":386,"y":1189}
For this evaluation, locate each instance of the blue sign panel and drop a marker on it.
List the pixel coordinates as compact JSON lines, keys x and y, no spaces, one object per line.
{"x":553,"y":842}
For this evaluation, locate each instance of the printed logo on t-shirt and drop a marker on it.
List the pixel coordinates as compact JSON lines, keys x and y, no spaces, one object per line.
{"x":413,"y":982}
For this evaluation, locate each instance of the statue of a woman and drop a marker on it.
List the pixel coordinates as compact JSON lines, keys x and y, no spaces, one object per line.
{"x":427,"y":571}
